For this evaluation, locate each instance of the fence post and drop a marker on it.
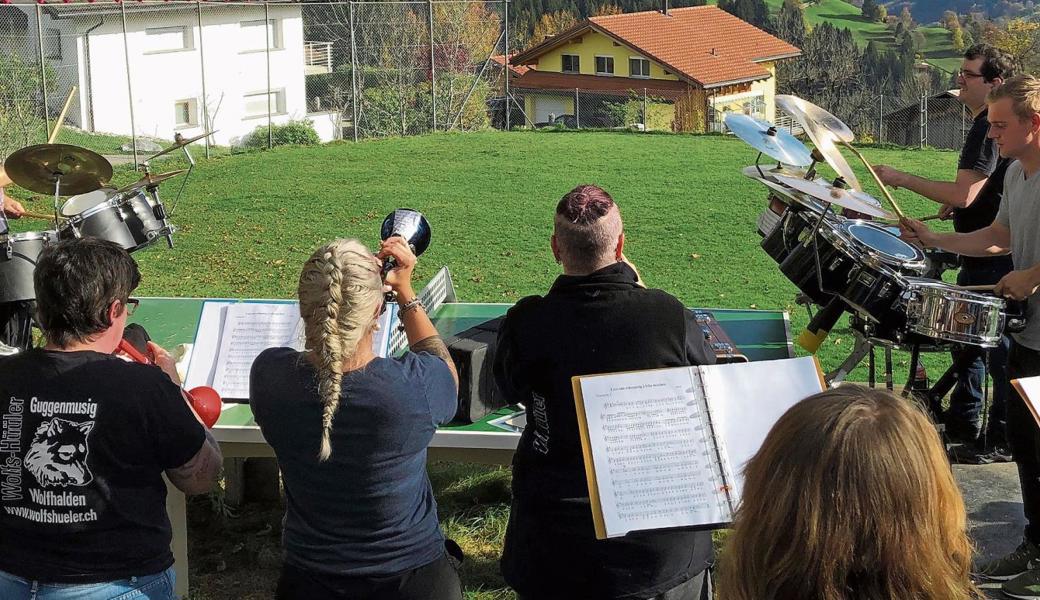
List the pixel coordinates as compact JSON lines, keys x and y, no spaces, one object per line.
{"x":202,"y":72}
{"x":43,"y":74}
{"x":353,"y":71}
{"x":964,"y":116}
{"x":577,"y":119}
{"x":644,"y":109}
{"x":433,"y":67}
{"x":922,"y":116}
{"x":267,"y":54}
{"x":509,"y":99}
{"x":129,"y":86}
{"x":881,"y":119}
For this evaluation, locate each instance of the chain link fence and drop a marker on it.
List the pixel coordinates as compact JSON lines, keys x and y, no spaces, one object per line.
{"x":256,"y":74}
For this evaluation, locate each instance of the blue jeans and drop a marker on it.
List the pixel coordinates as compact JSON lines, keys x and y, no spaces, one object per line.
{"x":149,"y":587}
{"x":966,"y":398}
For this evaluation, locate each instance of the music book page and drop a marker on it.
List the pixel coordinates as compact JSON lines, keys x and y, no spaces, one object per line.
{"x":664,"y":448}
{"x":655,"y":459}
{"x":249,"y":328}
{"x":1029,"y":389}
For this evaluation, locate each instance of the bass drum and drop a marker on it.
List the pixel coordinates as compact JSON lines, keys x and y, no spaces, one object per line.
{"x":18,"y":263}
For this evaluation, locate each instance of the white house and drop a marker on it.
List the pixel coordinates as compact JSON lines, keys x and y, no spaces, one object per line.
{"x":84,"y":45}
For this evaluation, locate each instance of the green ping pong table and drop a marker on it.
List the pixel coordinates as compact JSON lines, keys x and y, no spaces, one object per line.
{"x":760,"y":335}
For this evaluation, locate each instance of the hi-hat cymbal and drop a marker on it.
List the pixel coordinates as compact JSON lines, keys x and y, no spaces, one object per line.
{"x":825,"y":130}
{"x":180,"y":143}
{"x":852,"y":199}
{"x":767,"y":172}
{"x":769,"y":140}
{"x":149,"y":180}
{"x":38,"y":167}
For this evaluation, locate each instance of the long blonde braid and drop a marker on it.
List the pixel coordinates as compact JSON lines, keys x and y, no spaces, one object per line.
{"x":339,"y":291}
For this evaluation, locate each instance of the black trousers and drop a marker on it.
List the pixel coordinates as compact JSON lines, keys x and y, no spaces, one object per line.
{"x":698,"y":588}
{"x":438,"y":580}
{"x":1024,"y":437}
{"x":16,"y":323}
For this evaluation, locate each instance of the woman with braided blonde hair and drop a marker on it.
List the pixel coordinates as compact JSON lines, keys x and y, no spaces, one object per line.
{"x":350,"y":430}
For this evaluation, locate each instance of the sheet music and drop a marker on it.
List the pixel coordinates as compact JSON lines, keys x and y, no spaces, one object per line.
{"x":1029,"y":389}
{"x":656,"y":462}
{"x":250,"y":328}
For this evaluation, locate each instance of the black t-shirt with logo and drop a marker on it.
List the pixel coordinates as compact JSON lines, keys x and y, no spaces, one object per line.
{"x":84,"y":441}
{"x":980,"y":154}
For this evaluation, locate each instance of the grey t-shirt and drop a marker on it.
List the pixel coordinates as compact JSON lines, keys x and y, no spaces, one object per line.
{"x":1020,"y":212}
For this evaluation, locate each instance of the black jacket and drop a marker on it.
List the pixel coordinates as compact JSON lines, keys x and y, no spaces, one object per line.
{"x":599,"y":323}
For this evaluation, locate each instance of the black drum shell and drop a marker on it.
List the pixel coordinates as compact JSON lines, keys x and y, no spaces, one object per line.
{"x":131,"y":223}
{"x":872,"y":291}
{"x":16,"y":272}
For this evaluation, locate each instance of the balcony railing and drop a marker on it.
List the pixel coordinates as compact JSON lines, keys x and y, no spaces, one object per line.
{"x":317,"y":57}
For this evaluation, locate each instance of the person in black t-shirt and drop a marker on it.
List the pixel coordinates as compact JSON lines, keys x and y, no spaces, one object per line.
{"x":596,"y":318}
{"x":15,"y":317}
{"x":86,"y":438}
{"x":972,"y":200}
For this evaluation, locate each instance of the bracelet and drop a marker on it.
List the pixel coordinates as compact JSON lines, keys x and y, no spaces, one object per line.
{"x":412,"y":305}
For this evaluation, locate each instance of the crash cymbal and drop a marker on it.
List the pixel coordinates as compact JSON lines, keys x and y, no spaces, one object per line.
{"x":180,"y":142}
{"x":149,"y":180}
{"x":825,"y":130}
{"x":766,"y":172}
{"x":769,"y":140}
{"x":36,"y":168}
{"x":852,"y":199}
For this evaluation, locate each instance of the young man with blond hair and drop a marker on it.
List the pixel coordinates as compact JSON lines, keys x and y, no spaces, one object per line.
{"x":1014,"y":117}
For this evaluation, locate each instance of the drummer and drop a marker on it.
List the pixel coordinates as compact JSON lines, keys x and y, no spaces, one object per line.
{"x":972,"y":199}
{"x":1014,"y":115}
{"x":11,"y":207}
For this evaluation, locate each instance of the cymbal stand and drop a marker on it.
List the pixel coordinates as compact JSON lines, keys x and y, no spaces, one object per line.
{"x":57,"y":189}
{"x":187,"y":176}
{"x":817,"y":158}
{"x":861,"y":347}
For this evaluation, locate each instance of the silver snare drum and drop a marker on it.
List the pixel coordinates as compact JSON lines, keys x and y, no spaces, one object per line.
{"x":134,"y":221}
{"x":18,"y":263}
{"x":945,"y":312}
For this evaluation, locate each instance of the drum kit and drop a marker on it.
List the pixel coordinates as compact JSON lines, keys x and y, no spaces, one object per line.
{"x":134,"y":216}
{"x":839,"y":247}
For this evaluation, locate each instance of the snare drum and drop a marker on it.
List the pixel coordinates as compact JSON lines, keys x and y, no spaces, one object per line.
{"x":134,"y":221}
{"x":945,"y":312}
{"x":18,"y":263}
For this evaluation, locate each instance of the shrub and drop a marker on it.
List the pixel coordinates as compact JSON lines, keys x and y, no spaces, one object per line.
{"x":294,"y":132}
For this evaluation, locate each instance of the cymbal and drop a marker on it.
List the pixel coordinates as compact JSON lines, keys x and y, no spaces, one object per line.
{"x":769,"y":140}
{"x":825,"y":130}
{"x":148,"y":181}
{"x":852,"y":199}
{"x":766,"y":172}
{"x":36,"y":168}
{"x":180,"y":143}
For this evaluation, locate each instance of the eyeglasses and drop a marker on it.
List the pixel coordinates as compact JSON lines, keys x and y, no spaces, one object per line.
{"x":968,"y":74}
{"x":131,"y":306}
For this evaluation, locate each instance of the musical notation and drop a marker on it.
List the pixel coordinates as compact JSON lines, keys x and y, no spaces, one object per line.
{"x":249,"y":329}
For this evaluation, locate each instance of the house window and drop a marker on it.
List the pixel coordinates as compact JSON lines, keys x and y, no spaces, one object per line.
{"x":255,"y":37}
{"x":168,"y":39}
{"x":186,"y":113}
{"x":638,"y":67}
{"x":256,"y":103}
{"x":604,"y":65}
{"x":571,"y":63}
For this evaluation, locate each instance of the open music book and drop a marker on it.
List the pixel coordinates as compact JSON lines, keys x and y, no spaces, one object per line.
{"x":666,"y":447}
{"x":232,"y":334}
{"x":1029,"y":389}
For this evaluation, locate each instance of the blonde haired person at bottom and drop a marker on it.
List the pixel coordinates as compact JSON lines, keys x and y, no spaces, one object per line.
{"x":350,"y":430}
{"x":849,"y":498}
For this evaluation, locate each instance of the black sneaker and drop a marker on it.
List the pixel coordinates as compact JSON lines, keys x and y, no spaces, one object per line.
{"x":1008,"y":567}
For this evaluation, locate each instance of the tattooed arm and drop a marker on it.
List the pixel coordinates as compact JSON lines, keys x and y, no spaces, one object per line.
{"x":198,"y":475}
{"x":435,"y":346}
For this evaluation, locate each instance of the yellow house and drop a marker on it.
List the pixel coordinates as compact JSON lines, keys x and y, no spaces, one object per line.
{"x":679,"y":69}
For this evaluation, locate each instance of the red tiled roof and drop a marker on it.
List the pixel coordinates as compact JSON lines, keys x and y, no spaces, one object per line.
{"x":547,"y":80}
{"x":500,"y":60}
{"x":704,"y":44}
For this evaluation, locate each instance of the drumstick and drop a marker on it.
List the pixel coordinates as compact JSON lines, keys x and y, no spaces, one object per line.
{"x":36,"y":215}
{"x":61,"y":117}
{"x":930,"y":218}
{"x":884,"y":190}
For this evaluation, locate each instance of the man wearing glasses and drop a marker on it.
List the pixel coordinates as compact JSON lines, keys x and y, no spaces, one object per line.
{"x":86,"y":438}
{"x":972,"y":200}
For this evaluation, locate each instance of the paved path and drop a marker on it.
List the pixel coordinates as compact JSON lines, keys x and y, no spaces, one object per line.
{"x":994,"y":503}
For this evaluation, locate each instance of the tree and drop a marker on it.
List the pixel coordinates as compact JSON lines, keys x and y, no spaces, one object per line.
{"x":753,"y":11}
{"x":552,"y":24}
{"x":871,"y":10}
{"x":790,"y":23}
{"x":958,"y":40}
{"x":950,"y":20}
{"x":1019,"y":38}
{"x":606,"y":9}
{"x":21,"y":105}
{"x":906,"y":18}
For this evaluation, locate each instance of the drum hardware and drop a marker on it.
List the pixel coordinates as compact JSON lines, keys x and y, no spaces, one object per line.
{"x":148,"y":181}
{"x":767,"y":139}
{"x":831,"y":194}
{"x":411,"y":225}
{"x":825,"y":130}
{"x":178,"y":143}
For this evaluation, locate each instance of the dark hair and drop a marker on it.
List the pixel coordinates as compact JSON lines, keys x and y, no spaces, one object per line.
{"x":76,"y":281}
{"x":995,"y":62}
{"x":584,"y":204}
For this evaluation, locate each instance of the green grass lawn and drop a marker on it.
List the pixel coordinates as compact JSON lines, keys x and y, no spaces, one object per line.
{"x":247,"y":223}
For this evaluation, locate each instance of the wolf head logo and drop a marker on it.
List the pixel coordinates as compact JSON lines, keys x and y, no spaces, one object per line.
{"x":58,"y":454}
